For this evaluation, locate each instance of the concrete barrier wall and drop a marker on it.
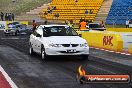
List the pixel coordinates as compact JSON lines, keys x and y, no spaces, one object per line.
{"x":120,"y":29}
{"x":127,"y":39}
{"x":130,"y":49}
{"x":105,"y":40}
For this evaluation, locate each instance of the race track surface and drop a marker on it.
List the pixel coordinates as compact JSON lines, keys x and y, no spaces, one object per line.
{"x":57,"y":72}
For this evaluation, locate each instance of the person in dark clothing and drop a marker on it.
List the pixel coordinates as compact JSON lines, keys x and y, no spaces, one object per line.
{"x":53,"y":7}
{"x":46,"y":22}
{"x":13,"y":17}
{"x":2,"y":16}
{"x":76,"y":1}
{"x":57,"y":15}
{"x":86,"y":12}
{"x":9,"y":16}
{"x":91,"y":11}
{"x":81,"y":20}
{"x":49,"y":9}
{"x":6,"y":17}
{"x":102,"y":25}
{"x":34,"y":24}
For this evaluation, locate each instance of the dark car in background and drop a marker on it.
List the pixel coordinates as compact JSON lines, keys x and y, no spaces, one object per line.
{"x":17,"y":29}
{"x":95,"y":26}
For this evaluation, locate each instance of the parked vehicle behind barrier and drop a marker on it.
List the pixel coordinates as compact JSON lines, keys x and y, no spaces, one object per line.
{"x":95,"y":26}
{"x":17,"y":29}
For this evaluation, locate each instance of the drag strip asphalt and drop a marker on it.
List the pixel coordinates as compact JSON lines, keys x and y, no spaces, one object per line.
{"x":31,"y":72}
{"x":58,"y":72}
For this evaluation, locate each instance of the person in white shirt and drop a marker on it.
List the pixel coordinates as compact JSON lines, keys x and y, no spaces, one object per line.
{"x":127,"y":23}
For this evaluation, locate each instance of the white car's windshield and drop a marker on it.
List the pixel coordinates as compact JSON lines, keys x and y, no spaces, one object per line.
{"x":59,"y":31}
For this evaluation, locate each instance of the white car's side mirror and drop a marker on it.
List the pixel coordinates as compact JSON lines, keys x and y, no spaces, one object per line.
{"x":38,"y":35}
{"x":80,"y":35}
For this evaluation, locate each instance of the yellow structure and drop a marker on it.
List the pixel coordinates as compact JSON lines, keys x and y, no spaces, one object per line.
{"x":71,"y":10}
{"x":104,"y":40}
{"x":120,"y":29}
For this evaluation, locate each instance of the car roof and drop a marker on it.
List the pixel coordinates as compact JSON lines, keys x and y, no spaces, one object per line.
{"x":93,"y":23}
{"x":19,"y":24}
{"x":54,"y":25}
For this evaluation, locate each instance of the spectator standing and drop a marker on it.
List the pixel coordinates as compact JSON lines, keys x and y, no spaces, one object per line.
{"x":53,"y":7}
{"x":76,"y":1}
{"x":13,"y":17}
{"x":86,"y":12}
{"x":91,"y":11}
{"x":127,"y":23}
{"x":46,"y":22}
{"x":102,"y":24}
{"x":70,"y":24}
{"x":49,"y":9}
{"x":57,"y":15}
{"x":34,"y":24}
{"x":66,"y":22}
{"x":2,"y":16}
{"x":6,"y":17}
{"x":81,"y":20}
{"x":9,"y":17}
{"x":82,"y":25}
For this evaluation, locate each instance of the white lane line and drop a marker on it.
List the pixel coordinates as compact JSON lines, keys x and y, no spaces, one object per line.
{"x":9,"y":38}
{"x":96,"y":48}
{"x":12,"y":84}
{"x":118,"y":52}
{"x":12,"y":38}
{"x":122,"y":53}
{"x":128,"y":54}
{"x":102,"y":49}
{"x":112,"y":51}
{"x":106,"y":50}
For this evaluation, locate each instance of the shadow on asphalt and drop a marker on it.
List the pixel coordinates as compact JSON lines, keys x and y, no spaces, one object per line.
{"x":61,"y":58}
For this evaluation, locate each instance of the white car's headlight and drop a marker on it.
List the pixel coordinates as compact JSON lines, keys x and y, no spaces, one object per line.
{"x":54,"y":45}
{"x":84,"y":45}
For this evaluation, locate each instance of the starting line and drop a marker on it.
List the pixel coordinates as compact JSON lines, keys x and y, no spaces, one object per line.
{"x":5,"y":80}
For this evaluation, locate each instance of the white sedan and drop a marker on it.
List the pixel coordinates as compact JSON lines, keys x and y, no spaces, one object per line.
{"x":57,"y":40}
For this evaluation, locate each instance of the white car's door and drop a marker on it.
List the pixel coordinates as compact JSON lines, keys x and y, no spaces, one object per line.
{"x":33,"y":40}
{"x":39,"y":39}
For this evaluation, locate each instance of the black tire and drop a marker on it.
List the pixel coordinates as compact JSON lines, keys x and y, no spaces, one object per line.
{"x":43,"y":54}
{"x":85,"y":57}
{"x":16,"y":33}
{"x":31,"y":52}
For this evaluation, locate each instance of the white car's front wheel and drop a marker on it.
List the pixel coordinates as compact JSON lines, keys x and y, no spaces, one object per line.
{"x":31,"y":50}
{"x":43,"y":54}
{"x":86,"y":57}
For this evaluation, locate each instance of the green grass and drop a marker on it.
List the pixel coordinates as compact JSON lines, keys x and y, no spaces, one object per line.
{"x":20,"y":6}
